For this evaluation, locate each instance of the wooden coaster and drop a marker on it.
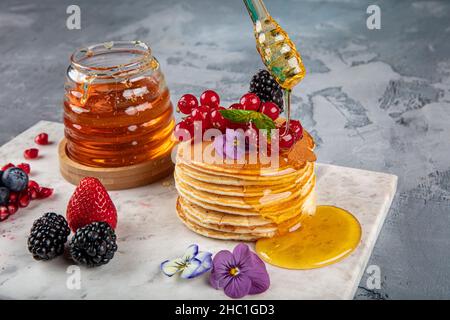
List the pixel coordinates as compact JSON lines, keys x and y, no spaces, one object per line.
{"x":115,"y":178}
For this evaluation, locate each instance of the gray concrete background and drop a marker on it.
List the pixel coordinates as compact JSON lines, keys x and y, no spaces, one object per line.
{"x":377,"y":100}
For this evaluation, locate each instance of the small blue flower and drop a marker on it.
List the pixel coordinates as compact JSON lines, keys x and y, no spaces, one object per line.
{"x":192,"y":264}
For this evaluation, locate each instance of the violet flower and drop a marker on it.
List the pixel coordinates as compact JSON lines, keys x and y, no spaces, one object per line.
{"x":230,"y":145}
{"x":239,"y":273}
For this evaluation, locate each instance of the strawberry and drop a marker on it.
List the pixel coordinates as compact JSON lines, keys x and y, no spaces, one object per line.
{"x":90,"y":203}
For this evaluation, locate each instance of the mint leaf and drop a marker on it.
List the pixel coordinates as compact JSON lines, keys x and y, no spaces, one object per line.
{"x":260,"y":120}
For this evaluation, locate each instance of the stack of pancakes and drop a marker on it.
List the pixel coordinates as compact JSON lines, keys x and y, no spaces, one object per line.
{"x":242,"y":201}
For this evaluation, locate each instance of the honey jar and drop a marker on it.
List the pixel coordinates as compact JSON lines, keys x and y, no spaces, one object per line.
{"x":117,"y":108}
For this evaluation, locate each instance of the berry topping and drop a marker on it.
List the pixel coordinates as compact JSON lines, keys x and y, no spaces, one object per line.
{"x":237,"y":106}
{"x":15,"y":179}
{"x":184,"y":130}
{"x":41,"y":139}
{"x":267,"y":89}
{"x":202,"y":114}
{"x":89,"y":203}
{"x":25,"y":167}
{"x":93,"y":245}
{"x":250,"y":101}
{"x":287,"y":141}
{"x":32,"y":153}
{"x":48,"y":236}
{"x":296,"y":129}
{"x":271,"y":110}
{"x":217,"y":120}
{"x":187,"y":103}
{"x":210,"y":98}
{"x":4,"y":196}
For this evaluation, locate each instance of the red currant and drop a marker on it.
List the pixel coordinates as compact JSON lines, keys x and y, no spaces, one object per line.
{"x":296,"y":129}
{"x":41,"y":139}
{"x":184,"y":130}
{"x":286,"y":141}
{"x":202,"y":114}
{"x":250,"y":101}
{"x":32,"y":153}
{"x":237,"y":106}
{"x":187,"y":103}
{"x":210,"y":98}
{"x":270,"y":109}
{"x":217,"y":120}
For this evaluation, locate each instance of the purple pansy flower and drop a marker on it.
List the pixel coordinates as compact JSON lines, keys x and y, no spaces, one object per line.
{"x":230,"y":145}
{"x":239,"y":273}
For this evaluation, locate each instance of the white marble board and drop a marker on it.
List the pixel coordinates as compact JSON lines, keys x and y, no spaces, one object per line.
{"x":149,"y":232}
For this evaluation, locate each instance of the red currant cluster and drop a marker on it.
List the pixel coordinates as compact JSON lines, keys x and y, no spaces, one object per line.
{"x":207,"y":113}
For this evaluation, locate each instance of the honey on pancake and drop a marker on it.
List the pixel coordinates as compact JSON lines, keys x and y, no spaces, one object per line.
{"x":324,"y":238}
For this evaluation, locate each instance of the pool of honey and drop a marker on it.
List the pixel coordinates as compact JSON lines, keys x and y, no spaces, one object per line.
{"x":324,"y":238}
{"x":119,"y":123}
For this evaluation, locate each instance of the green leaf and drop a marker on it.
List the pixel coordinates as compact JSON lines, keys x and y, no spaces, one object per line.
{"x":260,"y":120}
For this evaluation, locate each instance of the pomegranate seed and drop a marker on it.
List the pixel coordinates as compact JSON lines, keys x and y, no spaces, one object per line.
{"x":33,"y":184}
{"x":45,"y":192}
{"x":12,"y":208}
{"x":210,"y":98}
{"x":4,"y":213}
{"x":7,"y":166}
{"x":32,"y":153}
{"x":41,"y":139}
{"x":13,"y":197}
{"x":33,"y":193}
{"x":25,"y":167}
{"x":24,"y":199}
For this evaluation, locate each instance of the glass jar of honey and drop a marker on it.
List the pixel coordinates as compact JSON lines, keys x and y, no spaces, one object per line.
{"x":117,"y":108}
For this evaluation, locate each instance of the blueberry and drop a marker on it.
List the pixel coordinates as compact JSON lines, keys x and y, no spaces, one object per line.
{"x":15,"y":179}
{"x":4,"y":196}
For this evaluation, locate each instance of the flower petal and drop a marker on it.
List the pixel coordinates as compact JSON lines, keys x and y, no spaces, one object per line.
{"x":259,"y":276}
{"x":206,"y":262}
{"x":190,"y":269}
{"x":191,"y":252}
{"x":238,"y":287}
{"x":223,"y":261}
{"x":219,"y":280}
{"x":243,"y":257}
{"x":170,"y":267}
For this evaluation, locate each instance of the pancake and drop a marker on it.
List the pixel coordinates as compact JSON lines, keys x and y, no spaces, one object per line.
{"x":243,"y":201}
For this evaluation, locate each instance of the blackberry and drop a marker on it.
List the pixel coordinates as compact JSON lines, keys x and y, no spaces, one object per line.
{"x":94,"y":244}
{"x":266,"y":88}
{"x":48,"y":236}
